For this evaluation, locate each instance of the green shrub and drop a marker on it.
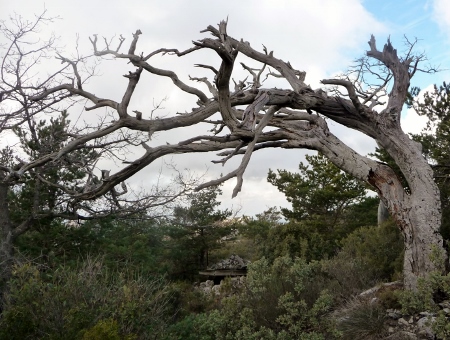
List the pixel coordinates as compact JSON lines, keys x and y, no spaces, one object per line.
{"x":285,"y":300}
{"x":69,"y":303}
{"x":232,"y":321}
{"x":389,"y":299}
{"x":105,"y":330}
{"x":188,"y":300}
{"x":379,"y":251}
{"x":441,"y":326}
{"x":430,"y":291}
{"x":290,"y":297}
{"x":347,"y":276}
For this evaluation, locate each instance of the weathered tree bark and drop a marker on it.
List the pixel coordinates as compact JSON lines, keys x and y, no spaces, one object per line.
{"x":417,"y":213}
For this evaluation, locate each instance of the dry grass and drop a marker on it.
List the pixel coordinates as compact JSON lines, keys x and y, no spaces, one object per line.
{"x":361,"y":319}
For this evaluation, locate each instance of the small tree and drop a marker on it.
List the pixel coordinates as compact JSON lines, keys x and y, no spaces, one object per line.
{"x":327,"y":205}
{"x":196,"y":231}
{"x":320,"y":191}
{"x":324,"y":203}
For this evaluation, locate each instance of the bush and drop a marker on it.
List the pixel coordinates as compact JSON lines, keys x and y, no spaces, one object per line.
{"x":188,"y":300}
{"x":232,"y":321}
{"x":105,"y":330}
{"x":389,"y":298}
{"x":369,"y":255}
{"x":347,"y":276}
{"x":90,"y":300}
{"x":441,"y":326}
{"x":285,"y":300}
{"x":430,"y":292}
{"x":379,"y":249}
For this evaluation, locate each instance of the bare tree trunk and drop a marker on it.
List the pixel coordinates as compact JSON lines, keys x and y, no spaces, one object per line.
{"x":423,"y":243}
{"x":418,"y":213}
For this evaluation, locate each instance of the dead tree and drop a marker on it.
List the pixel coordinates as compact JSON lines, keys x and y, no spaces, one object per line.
{"x":296,"y":118}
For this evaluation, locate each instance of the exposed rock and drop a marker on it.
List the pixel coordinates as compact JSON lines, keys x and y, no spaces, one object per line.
{"x":233,"y":262}
{"x":402,"y":326}
{"x":383,"y":286}
{"x":444,"y":304}
{"x":418,"y":326}
{"x":216,"y":289}
{"x":394,"y":313}
{"x":222,"y":289}
{"x":403,"y":322}
{"x":426,"y":314}
{"x":424,"y":327}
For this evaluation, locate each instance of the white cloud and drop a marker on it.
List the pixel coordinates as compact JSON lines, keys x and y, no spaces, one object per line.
{"x":441,"y":12}
{"x":411,"y":121}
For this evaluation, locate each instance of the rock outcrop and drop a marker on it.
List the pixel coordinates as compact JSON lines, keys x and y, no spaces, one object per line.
{"x":234,"y":262}
{"x":225,"y":288}
{"x":414,"y":327}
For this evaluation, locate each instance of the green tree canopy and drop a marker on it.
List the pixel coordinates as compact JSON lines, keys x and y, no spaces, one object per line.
{"x":195,"y":231}
{"x":327,"y":205}
{"x":319,"y":192}
{"x":37,"y":194}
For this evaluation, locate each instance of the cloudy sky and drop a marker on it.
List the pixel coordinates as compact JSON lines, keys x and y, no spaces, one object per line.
{"x":321,"y":37}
